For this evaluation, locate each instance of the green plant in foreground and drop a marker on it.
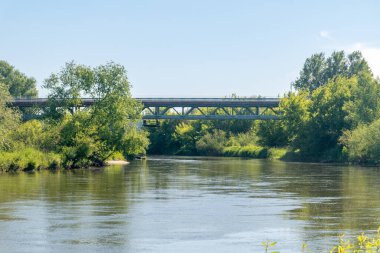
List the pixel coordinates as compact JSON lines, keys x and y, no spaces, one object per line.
{"x":362,"y":244}
{"x":267,"y":245}
{"x":305,"y":247}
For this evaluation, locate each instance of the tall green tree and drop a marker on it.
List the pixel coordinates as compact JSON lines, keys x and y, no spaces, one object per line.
{"x":327,"y":116}
{"x":318,"y":70}
{"x":312,"y":74}
{"x":365,"y":108}
{"x":19,"y":85}
{"x":91,"y":135}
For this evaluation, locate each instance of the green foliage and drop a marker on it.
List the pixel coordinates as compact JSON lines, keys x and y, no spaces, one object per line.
{"x":296,"y":115}
{"x":186,"y":135}
{"x":251,"y":151}
{"x":365,"y":107}
{"x":363,"y":143}
{"x":327,"y":117}
{"x":18,"y":84}
{"x":267,"y":245}
{"x":243,"y":139}
{"x":277,"y":153}
{"x":212,"y":143}
{"x":28,"y":159}
{"x":318,"y":70}
{"x":9,"y":119}
{"x":362,"y":244}
{"x":231,"y":126}
{"x":312,"y":75}
{"x":162,"y":138}
{"x":271,"y":133}
{"x":92,"y":135}
{"x":35,"y":134}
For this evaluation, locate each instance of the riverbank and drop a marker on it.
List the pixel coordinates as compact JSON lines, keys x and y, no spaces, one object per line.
{"x":271,"y":153}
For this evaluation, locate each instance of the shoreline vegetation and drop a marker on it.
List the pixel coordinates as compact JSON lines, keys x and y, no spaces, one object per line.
{"x":67,"y":135}
{"x":333,"y":115}
{"x":363,"y":243}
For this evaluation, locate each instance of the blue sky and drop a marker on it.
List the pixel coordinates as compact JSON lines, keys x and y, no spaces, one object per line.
{"x":198,"y":48}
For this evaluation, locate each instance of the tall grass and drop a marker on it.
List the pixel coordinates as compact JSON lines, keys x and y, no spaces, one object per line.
{"x":254,"y":151}
{"x":28,"y":159}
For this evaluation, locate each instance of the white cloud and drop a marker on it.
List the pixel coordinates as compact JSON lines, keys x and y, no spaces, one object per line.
{"x":370,"y":53}
{"x":325,"y":34}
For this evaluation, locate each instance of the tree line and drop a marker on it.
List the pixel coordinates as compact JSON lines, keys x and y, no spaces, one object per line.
{"x":68,"y":135}
{"x":332,"y":115}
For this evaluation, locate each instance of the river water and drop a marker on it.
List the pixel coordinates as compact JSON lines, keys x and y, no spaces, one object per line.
{"x":187,"y":204}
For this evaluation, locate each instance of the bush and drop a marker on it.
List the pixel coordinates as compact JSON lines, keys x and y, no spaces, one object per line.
{"x":231,"y":151}
{"x":363,"y":143}
{"x":277,"y":153}
{"x":243,"y":139}
{"x":212,"y":143}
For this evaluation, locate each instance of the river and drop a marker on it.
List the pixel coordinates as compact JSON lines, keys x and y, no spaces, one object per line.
{"x":187,"y":204}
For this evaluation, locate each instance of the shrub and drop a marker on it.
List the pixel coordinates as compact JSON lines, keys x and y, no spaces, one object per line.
{"x":212,"y":143}
{"x":363,"y":143}
{"x":243,"y":139}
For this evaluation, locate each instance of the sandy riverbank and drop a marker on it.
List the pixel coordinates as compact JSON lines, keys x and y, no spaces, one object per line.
{"x":117,"y":162}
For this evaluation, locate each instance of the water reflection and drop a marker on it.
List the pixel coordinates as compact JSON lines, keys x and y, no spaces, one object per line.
{"x":186,"y":204}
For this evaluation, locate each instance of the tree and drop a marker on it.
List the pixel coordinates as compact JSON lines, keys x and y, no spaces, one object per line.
{"x":67,"y":87}
{"x":19,"y":85}
{"x":325,"y":119}
{"x":312,"y":74}
{"x":186,"y":135}
{"x":161,"y":138}
{"x":318,"y":70}
{"x":365,"y":108}
{"x":271,"y":133}
{"x":9,"y":118}
{"x":296,"y":115}
{"x":336,"y":65}
{"x":93,"y":134}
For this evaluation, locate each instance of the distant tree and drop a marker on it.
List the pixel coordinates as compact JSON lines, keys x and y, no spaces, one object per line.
{"x":19,"y":85}
{"x":9,"y":118}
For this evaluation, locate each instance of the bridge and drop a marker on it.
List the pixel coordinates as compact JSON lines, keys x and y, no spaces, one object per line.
{"x":187,"y":108}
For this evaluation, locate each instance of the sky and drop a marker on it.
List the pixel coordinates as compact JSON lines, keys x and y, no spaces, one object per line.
{"x":179,"y":48}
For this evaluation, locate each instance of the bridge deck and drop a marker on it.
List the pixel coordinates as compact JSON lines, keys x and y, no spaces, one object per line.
{"x":187,"y":108}
{"x":172,"y":102}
